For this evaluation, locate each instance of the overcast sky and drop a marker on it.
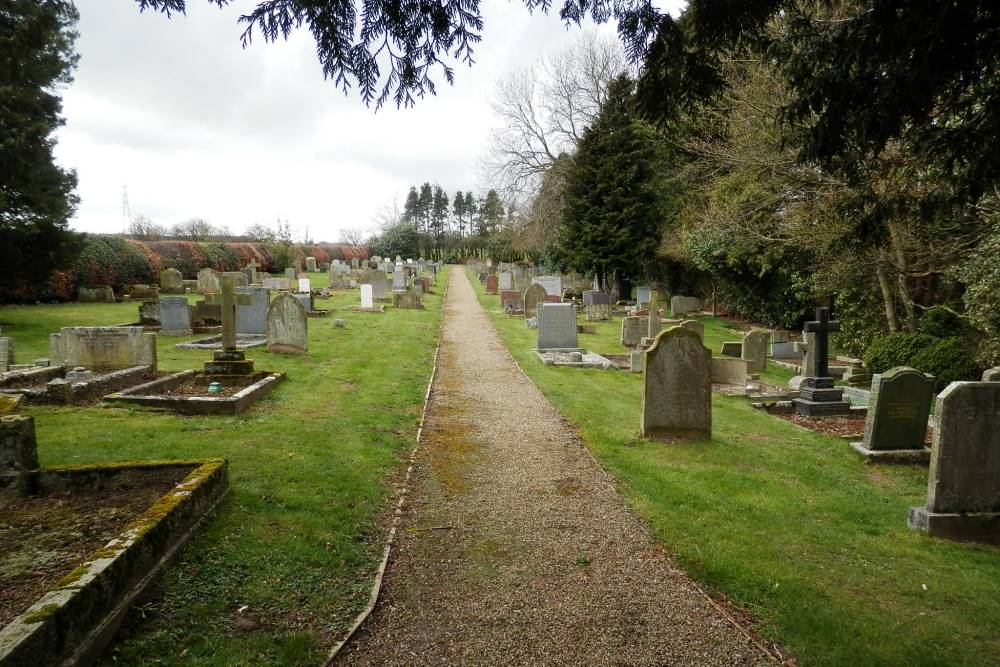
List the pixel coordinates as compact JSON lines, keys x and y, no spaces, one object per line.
{"x":196,"y":126}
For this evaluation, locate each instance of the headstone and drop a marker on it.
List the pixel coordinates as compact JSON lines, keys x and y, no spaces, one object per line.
{"x":291,"y":273}
{"x":287,"y":325}
{"x":175,"y":316}
{"x":276,"y":283}
{"x":208,"y":281}
{"x":398,"y":281}
{"x":506,"y":281}
{"x":963,"y":485}
{"x":633,"y":330}
{"x":727,"y":370}
{"x":6,"y":353}
{"x":782,"y":346}
{"x":732,"y":349}
{"x":251,"y":313}
{"x":367,"y":296}
{"x":534,"y":295}
{"x":305,"y":298}
{"x":643,"y":294}
{"x":491,"y":284}
{"x":557,"y":326}
{"x":99,"y":294}
{"x":18,"y":456}
{"x":379,"y":285}
{"x":354,"y":262}
{"x":680,"y":306}
{"x":103,"y":348}
{"x":171,"y":281}
{"x":898,"y":407}
{"x":754,"y":350}
{"x":407,"y":299}
{"x":305,"y":285}
{"x":552,"y":284}
{"x":817,"y":394}
{"x":311,"y":264}
{"x":653,"y":320}
{"x":677,"y":386}
{"x":598,"y":312}
{"x":695,"y":326}
{"x":143,"y":291}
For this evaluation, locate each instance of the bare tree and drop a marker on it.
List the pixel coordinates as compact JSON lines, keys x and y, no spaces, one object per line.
{"x":144,"y":229}
{"x":353,"y":236}
{"x":388,"y":214}
{"x":260,"y":233}
{"x":544,"y":111}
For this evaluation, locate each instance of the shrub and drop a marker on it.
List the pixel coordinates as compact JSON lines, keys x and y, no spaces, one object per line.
{"x":947,"y":359}
{"x":110,"y":260}
{"x":895,"y":349}
{"x":943,"y":323}
{"x":185,"y":256}
{"x":220,"y":256}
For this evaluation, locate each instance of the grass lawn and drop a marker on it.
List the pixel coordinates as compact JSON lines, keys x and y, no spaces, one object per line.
{"x":296,"y":540}
{"x":788,"y":523}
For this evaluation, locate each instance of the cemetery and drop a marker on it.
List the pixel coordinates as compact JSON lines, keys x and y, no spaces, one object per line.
{"x":672,"y":340}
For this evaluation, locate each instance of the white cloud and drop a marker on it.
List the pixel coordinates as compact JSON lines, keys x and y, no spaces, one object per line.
{"x":195,"y":125}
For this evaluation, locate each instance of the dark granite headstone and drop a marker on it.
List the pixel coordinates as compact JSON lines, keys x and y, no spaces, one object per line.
{"x":898,"y":409}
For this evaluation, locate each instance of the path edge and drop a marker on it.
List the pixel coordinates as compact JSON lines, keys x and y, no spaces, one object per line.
{"x":404,"y":490}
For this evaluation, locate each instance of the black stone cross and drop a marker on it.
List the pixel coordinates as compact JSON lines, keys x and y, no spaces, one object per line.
{"x":822,"y":328}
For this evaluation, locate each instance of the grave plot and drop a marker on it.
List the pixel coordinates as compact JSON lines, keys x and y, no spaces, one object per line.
{"x":79,"y":544}
{"x":227,"y":385}
{"x":87,"y":363}
{"x":557,"y":339}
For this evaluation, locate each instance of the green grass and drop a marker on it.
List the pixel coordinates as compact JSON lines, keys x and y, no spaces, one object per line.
{"x":788,"y":523}
{"x":296,"y":540}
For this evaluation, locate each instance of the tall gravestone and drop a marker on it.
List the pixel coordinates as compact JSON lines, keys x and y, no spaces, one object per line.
{"x":677,"y":386}
{"x":643,"y":294}
{"x":552,"y":284}
{"x":398,"y":280}
{"x":817,"y":395}
{"x":534,"y":295}
{"x":103,"y":348}
{"x":287,"y":325}
{"x":491,"y":284}
{"x":754,"y":350}
{"x":633,"y":330}
{"x":171,"y":281}
{"x":506,"y":281}
{"x":896,"y":423}
{"x":963,"y":483}
{"x":557,"y":326}
{"x":251,"y":316}
{"x":367,"y":296}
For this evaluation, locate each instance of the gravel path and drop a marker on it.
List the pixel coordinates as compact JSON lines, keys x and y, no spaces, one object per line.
{"x":514,"y":549}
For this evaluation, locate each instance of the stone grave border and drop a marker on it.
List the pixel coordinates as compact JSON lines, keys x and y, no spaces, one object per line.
{"x":243,"y":342}
{"x":148,"y":395}
{"x":590,"y":359}
{"x":74,"y":393}
{"x":73,"y":622}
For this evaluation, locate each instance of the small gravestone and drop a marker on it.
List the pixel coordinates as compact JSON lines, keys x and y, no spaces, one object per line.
{"x":171,"y":281}
{"x":18,"y":456}
{"x":680,"y":306}
{"x":208,"y":281}
{"x":291,"y":273}
{"x":963,"y":485}
{"x":408,"y":299}
{"x":633,"y":330}
{"x":693,"y":325}
{"x":398,"y":280}
{"x":367,"y":296}
{"x":103,"y":348}
{"x":175,"y":316}
{"x":754,"y":350}
{"x":251,"y":316}
{"x":598,"y":312}
{"x":276,"y":283}
{"x":306,"y":299}
{"x":643,"y":294}
{"x":506,"y":281}
{"x":239,"y":279}
{"x":6,"y":353}
{"x":782,"y":346}
{"x":557,"y":326}
{"x":311,"y":264}
{"x":379,"y":285}
{"x":653,"y":321}
{"x":305,"y":285}
{"x":287,"y":325}
{"x":533,"y":296}
{"x":149,"y":313}
{"x":896,"y":423}
{"x":99,"y":294}
{"x":727,"y":370}
{"x":491,"y":284}
{"x":732,"y":349}
{"x":677,"y":386}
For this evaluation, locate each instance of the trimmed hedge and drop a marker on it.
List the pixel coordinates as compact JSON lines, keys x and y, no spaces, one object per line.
{"x":114,"y":261}
{"x":948,"y":360}
{"x":895,"y":349}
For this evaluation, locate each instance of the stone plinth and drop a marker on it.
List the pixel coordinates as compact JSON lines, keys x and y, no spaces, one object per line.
{"x":818,"y":397}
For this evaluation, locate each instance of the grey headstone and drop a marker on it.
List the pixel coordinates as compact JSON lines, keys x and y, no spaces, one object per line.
{"x":633,"y":330}
{"x":695,"y":326}
{"x":287,"y":325}
{"x":552,"y":284}
{"x":208,"y":281}
{"x":103,"y":348}
{"x":534,"y":295}
{"x":677,"y":386}
{"x":506,"y":281}
{"x":732,"y":349}
{"x":175,"y":316}
{"x":557,"y":326}
{"x":171,"y":281}
{"x":251,"y":318}
{"x":754,"y":350}
{"x":643,"y":294}
{"x":305,"y":298}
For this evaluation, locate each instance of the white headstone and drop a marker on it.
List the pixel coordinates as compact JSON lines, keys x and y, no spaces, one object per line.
{"x":367,"y":296}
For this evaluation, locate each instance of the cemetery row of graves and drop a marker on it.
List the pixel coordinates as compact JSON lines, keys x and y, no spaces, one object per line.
{"x":246,"y":425}
{"x":784,"y":477}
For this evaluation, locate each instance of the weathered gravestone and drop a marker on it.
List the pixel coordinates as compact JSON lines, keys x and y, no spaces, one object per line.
{"x":306,"y":299}
{"x":506,"y":281}
{"x":103,"y":348}
{"x":682,"y":305}
{"x":305,"y":285}
{"x":18,"y":456}
{"x":407,"y":299}
{"x":633,"y":330}
{"x":398,"y":280}
{"x":534,"y":295}
{"x":896,"y":423}
{"x":208,"y":281}
{"x":291,"y":273}
{"x":379,"y":285}
{"x":557,"y":326}
{"x":552,"y":284}
{"x":311,"y":264}
{"x":727,"y":370}
{"x":732,"y":349}
{"x":251,"y":314}
{"x":276,"y":283}
{"x":491,"y":284}
{"x":963,"y":485}
{"x":817,"y":395}
{"x":643,"y":294}
{"x":781,"y":345}
{"x":6,"y":353}
{"x":598,"y":312}
{"x":693,"y":325}
{"x":171,"y":281}
{"x":99,"y":294}
{"x":175,"y":316}
{"x":754,"y":350}
{"x":287,"y":325}
{"x":653,"y":326}
{"x":677,"y":387}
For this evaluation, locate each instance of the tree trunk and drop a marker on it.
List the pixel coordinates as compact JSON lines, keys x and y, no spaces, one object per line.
{"x":902,"y":270}
{"x":888,"y":298}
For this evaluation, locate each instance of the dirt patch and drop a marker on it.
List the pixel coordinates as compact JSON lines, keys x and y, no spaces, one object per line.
{"x":191,"y":388}
{"x":847,"y":427}
{"x":43,"y":538}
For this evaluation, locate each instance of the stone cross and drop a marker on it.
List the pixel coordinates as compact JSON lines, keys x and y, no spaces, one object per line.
{"x":822,"y":328}
{"x":230,"y":299}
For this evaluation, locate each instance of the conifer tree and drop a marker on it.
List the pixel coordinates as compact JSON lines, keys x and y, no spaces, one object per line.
{"x":458,"y":209}
{"x":411,"y":209}
{"x":439,"y":212}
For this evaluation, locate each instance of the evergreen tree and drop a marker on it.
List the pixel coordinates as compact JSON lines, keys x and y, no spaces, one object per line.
{"x":611,"y":221}
{"x":425,"y":206}
{"x":412,"y":207}
{"x":471,"y":209}
{"x":439,"y":213}
{"x":36,"y":195}
{"x":458,"y":209}
{"x":491,"y":213}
